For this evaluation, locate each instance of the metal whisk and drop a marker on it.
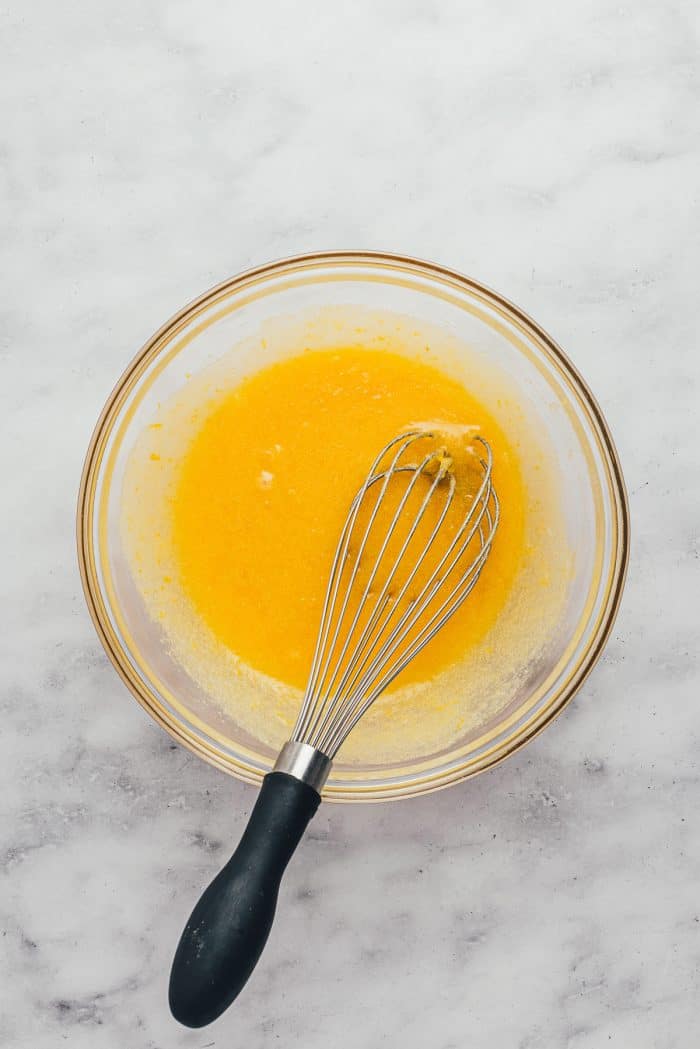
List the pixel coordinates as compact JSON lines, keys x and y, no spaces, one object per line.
{"x":393,"y":585}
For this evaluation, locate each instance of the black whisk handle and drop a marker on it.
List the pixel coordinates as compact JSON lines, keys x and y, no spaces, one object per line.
{"x":228,"y":928}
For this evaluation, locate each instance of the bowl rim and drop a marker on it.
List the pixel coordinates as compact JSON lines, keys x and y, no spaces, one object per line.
{"x":93,"y":458}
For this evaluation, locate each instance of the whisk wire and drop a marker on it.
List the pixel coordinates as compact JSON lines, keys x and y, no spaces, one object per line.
{"x":386,"y":599}
{"x":365,"y":695}
{"x":356,"y":658}
{"x":433,"y":583}
{"x":318,"y":674}
{"x":375,"y":568}
{"x":372,"y":630}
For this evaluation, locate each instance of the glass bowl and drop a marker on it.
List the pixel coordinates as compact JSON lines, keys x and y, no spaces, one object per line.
{"x":592,"y":495}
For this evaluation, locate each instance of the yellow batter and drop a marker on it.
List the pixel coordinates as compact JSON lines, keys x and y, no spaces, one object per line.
{"x":233,"y":496}
{"x":265,"y":485}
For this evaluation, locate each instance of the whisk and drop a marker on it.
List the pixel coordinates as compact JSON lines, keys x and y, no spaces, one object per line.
{"x":402,"y":568}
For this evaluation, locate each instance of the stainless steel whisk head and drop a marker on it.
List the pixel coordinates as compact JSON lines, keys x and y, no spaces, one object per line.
{"x":406,"y":594}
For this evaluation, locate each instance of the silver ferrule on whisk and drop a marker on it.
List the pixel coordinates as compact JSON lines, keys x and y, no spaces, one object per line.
{"x":305,"y":763}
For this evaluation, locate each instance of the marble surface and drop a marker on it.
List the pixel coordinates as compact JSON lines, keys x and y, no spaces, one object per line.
{"x":553,"y":151}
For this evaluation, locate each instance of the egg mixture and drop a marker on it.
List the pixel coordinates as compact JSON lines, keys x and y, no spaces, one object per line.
{"x":233,"y":503}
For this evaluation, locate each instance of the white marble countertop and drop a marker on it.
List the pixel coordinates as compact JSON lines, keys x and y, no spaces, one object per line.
{"x":552,"y":151}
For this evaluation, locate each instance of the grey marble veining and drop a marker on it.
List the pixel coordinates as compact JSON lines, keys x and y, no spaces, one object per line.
{"x":552,"y":151}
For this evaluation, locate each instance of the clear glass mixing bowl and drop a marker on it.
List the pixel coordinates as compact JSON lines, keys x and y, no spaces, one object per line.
{"x":592,"y":496}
